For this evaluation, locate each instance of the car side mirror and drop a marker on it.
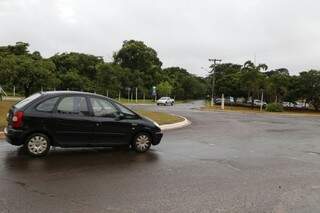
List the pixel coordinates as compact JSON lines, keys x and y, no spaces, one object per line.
{"x":120,"y":115}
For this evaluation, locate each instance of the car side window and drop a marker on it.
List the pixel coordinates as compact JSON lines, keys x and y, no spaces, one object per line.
{"x":75,"y":105}
{"x":47,"y":105}
{"x":103,"y":108}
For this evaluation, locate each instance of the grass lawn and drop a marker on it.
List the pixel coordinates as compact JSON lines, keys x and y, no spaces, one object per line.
{"x":139,"y":101}
{"x":231,"y":108}
{"x":160,"y":117}
{"x":4,"y":108}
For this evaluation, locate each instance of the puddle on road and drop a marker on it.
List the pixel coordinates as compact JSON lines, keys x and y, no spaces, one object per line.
{"x":312,"y":153}
{"x":262,"y":121}
{"x":228,"y":163}
{"x":282,"y":130}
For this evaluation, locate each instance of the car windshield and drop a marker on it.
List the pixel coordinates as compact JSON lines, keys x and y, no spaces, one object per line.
{"x":164,"y":98}
{"x":27,"y":100}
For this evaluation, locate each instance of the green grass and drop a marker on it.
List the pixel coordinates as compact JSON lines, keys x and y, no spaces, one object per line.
{"x":160,"y":117}
{"x":139,"y":101}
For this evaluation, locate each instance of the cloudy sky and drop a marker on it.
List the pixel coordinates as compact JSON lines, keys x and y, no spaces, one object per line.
{"x":280,"y":33}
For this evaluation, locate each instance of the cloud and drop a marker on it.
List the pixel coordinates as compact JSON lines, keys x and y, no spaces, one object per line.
{"x":185,"y":33}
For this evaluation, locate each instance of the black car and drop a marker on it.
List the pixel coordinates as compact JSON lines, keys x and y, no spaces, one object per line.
{"x":77,"y":119}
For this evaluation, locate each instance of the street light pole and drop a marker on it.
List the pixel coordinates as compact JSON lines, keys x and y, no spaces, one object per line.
{"x":213,"y":77}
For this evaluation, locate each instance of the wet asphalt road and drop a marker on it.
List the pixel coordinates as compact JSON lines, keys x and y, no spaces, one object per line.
{"x":223,"y":162}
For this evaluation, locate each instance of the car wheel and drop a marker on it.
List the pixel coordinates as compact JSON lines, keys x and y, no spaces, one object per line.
{"x":142,"y":142}
{"x":37,"y":145}
{"x":171,"y":103}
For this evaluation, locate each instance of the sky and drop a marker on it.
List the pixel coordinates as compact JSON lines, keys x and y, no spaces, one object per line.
{"x":185,"y":33}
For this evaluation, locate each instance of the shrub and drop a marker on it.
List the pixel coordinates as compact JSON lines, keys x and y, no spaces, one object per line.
{"x":274,"y":107}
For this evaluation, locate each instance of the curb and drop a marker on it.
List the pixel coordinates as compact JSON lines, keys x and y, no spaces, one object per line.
{"x":2,"y":136}
{"x":178,"y":125}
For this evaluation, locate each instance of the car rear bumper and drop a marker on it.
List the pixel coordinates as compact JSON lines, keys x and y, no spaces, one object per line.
{"x":14,"y":136}
{"x":157,"y":138}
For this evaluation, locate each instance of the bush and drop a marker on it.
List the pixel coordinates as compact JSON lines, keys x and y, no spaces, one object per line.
{"x":274,"y":107}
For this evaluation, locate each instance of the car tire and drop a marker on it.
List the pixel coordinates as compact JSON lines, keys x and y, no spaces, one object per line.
{"x":141,"y":142}
{"x":37,"y":145}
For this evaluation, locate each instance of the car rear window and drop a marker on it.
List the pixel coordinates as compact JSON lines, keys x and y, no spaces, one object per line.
{"x":27,"y":100}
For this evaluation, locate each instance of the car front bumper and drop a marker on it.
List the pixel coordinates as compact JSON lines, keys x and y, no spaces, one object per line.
{"x":157,"y":138}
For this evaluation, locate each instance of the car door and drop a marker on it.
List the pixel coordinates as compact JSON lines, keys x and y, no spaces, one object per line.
{"x":73,"y":121}
{"x":110,"y":129}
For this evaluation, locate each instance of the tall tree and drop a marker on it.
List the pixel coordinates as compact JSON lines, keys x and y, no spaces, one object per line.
{"x":277,"y":84}
{"x":253,"y":79}
{"x":227,"y":80}
{"x":136,"y":55}
{"x":164,"y":89}
{"x":310,"y":87}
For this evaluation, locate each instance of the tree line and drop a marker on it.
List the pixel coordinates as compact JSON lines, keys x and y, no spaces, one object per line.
{"x":250,"y":81}
{"x":134,"y":67}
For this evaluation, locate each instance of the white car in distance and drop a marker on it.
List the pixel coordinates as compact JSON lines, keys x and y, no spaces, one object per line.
{"x":165,"y":101}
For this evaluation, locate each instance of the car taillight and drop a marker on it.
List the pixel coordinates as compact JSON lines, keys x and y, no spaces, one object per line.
{"x":17,"y":120}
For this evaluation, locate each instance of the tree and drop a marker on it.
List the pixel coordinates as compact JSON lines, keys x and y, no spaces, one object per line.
{"x":310,"y":87}
{"x":27,"y":74}
{"x":164,"y":89}
{"x":109,"y":78}
{"x":294,"y":89}
{"x":76,"y":71}
{"x":227,"y":80}
{"x":252,"y":79}
{"x":21,"y":48}
{"x":185,"y":85}
{"x":277,"y":84}
{"x":135,"y":55}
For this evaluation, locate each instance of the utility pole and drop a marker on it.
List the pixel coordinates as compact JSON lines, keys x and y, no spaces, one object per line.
{"x":261,"y":104}
{"x":213,"y":77}
{"x":136,"y":94}
{"x":128,"y":94}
